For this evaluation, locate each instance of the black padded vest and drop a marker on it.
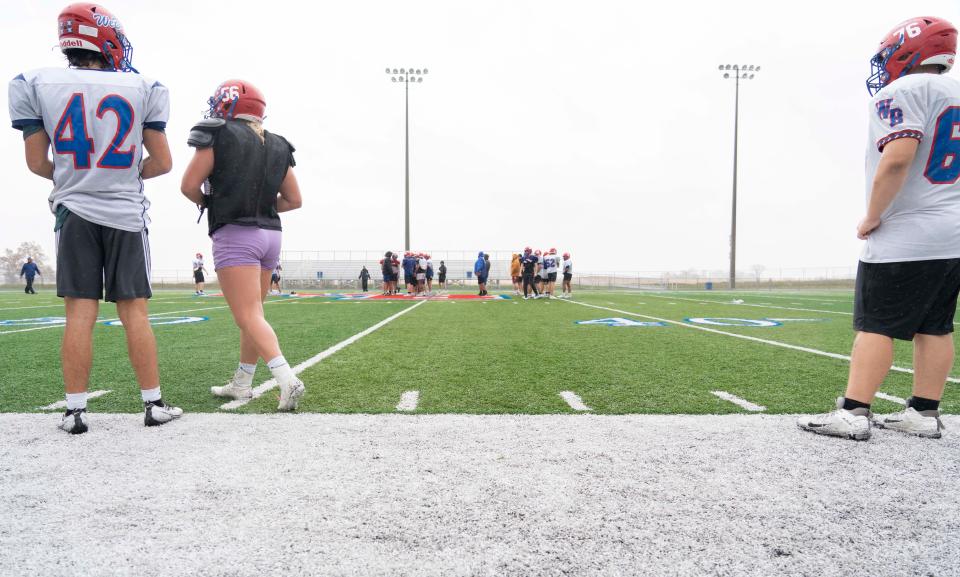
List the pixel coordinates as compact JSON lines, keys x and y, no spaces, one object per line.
{"x":246,"y":176}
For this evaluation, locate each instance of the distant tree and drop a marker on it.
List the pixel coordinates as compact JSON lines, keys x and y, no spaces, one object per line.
{"x":12,"y":260}
{"x":758,"y":270}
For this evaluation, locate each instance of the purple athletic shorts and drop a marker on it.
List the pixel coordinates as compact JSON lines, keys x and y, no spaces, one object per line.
{"x":237,"y":245}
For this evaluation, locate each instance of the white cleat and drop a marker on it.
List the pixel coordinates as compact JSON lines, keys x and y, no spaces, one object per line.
{"x":233,"y":389}
{"x":157,"y":413}
{"x":74,"y":421}
{"x":913,"y":422}
{"x":290,"y":394}
{"x":853,"y":424}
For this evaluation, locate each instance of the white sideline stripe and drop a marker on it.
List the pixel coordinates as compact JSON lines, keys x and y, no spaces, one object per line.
{"x":747,"y":337}
{"x":409,"y":401}
{"x":738,"y":401}
{"x":574,"y":400}
{"x":891,"y":398}
{"x":63,"y":404}
{"x":258,"y":391}
{"x":712,"y":302}
{"x":60,"y":326}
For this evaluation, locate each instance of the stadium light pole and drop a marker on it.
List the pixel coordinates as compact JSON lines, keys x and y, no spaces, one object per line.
{"x":406,"y":76}
{"x":737,"y":72}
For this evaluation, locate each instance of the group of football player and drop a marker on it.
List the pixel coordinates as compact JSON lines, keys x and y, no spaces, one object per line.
{"x":536,"y":271}
{"x":418,"y":273}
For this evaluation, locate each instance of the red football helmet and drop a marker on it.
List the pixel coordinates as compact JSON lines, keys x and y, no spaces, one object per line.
{"x":553,"y":251}
{"x":915,"y":42}
{"x":537,"y":252}
{"x":237,"y":99}
{"x":91,"y":27}
{"x":527,"y":250}
{"x":566,"y":255}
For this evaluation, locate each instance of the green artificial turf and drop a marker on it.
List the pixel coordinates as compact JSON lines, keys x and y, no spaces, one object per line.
{"x":484,"y":357}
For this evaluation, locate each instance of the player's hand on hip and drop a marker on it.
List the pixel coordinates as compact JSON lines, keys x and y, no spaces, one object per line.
{"x":867,"y":226}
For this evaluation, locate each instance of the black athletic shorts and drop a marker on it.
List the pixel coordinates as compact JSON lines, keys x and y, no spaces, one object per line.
{"x":901,"y":299}
{"x":442,"y":278}
{"x":275,"y":278}
{"x":93,"y":257}
{"x":198,"y":276}
{"x":552,"y":277}
{"x":567,"y":275}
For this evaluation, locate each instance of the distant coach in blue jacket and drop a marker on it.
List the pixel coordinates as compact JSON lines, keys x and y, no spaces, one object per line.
{"x":29,"y":270}
{"x":480,"y":269}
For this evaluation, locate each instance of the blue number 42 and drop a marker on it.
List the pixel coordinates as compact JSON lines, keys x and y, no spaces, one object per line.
{"x":77,"y":141}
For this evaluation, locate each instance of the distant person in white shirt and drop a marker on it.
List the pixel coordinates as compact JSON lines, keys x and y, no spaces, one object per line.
{"x":198,"y":272}
{"x":567,"y":275}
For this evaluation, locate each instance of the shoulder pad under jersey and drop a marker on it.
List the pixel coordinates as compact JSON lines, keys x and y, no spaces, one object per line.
{"x":203,"y":132}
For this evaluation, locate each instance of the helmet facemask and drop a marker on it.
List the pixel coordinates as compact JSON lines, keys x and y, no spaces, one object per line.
{"x":879,"y":77}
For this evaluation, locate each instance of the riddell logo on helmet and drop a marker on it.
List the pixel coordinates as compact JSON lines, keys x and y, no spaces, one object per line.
{"x":71,"y":43}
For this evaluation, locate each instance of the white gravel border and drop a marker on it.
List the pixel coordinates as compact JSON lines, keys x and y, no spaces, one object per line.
{"x":458,"y":495}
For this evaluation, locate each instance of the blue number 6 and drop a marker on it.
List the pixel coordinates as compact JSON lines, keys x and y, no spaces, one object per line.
{"x":943,"y":166}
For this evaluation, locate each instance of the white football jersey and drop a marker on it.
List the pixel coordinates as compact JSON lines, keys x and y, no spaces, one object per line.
{"x":95,"y":121}
{"x":197,"y":264}
{"x":922,"y":221}
{"x":550,"y":263}
{"x":568,"y":266}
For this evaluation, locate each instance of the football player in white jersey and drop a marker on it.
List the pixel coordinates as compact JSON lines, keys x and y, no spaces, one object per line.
{"x":98,"y":116}
{"x":909,"y":273}
{"x":567,"y":275}
{"x":198,"y":272}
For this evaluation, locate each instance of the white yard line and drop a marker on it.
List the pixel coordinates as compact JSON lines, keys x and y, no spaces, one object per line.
{"x":272,"y":383}
{"x":574,"y":400}
{"x":63,"y":404}
{"x":891,"y":398}
{"x":745,"y":337}
{"x":739,"y":402}
{"x":408,"y":401}
{"x":712,"y":302}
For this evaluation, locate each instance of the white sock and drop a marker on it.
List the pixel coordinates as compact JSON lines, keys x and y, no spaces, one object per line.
{"x":150,"y":395}
{"x":247,"y":371}
{"x":281,"y":369}
{"x":76,"y":401}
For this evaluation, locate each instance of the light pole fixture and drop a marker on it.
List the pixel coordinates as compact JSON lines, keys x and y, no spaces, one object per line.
{"x":737,"y":72}
{"x":407,"y":76}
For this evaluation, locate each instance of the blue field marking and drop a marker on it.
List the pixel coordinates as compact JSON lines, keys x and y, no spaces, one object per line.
{"x":40,"y":321}
{"x":162,"y":321}
{"x":733,"y":322}
{"x":621,"y":322}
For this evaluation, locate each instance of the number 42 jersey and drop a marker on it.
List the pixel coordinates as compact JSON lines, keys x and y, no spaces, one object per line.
{"x":923,"y":221}
{"x":95,"y":121}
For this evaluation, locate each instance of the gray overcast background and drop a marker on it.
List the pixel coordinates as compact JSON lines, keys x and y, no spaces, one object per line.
{"x":602,"y":128}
